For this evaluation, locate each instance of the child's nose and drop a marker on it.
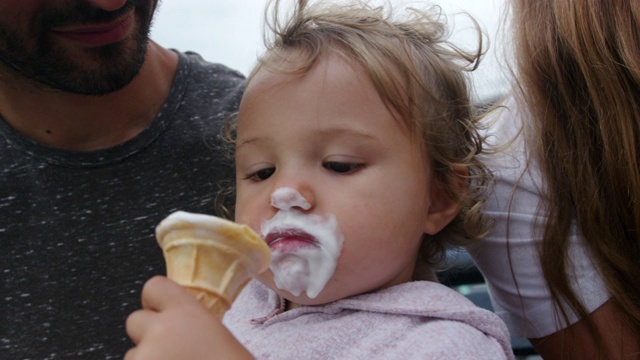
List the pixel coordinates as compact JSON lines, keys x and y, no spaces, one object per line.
{"x":287,"y":198}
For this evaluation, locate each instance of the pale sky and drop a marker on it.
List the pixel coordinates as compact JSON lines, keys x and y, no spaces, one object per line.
{"x":230,"y":32}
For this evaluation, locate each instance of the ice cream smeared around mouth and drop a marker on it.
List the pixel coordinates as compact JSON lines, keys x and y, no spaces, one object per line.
{"x":306,"y":268}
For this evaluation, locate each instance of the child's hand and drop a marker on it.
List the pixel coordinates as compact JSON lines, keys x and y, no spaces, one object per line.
{"x":174,"y":325}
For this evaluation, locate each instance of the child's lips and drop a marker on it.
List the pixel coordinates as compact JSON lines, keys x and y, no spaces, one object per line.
{"x":290,"y":240}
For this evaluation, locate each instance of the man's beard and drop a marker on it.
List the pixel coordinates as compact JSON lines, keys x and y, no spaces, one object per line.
{"x":100,"y":70}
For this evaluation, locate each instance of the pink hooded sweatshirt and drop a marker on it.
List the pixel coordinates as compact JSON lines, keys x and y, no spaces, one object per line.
{"x":416,"y":320}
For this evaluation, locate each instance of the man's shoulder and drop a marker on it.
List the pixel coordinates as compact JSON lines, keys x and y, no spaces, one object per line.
{"x":203,"y":89}
{"x":205,"y":69}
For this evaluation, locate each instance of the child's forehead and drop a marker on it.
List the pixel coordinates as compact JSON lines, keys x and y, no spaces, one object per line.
{"x":328,"y":68}
{"x":332,"y":71}
{"x":297,"y":63}
{"x":332,"y":100}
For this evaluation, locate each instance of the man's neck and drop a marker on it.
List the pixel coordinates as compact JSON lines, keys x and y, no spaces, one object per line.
{"x":84,"y":123}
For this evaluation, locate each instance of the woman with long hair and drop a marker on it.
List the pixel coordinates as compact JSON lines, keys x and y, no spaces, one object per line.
{"x":567,"y":198}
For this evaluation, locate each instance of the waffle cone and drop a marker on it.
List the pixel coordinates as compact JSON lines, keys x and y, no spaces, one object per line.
{"x":211,"y":257}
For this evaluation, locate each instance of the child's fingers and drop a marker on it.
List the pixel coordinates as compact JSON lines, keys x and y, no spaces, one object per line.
{"x":137,"y":324}
{"x":160,"y":293}
{"x":132,"y":354}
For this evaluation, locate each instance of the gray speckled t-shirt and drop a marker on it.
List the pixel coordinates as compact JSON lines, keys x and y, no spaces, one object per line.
{"x":77,"y":228}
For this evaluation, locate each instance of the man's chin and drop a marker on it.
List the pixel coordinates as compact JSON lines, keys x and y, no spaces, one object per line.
{"x":96,"y":74}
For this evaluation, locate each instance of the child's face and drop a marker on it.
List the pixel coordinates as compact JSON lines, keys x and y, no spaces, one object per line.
{"x":325,"y":148}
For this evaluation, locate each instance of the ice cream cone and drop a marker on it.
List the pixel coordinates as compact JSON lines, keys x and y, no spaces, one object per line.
{"x":211,"y":257}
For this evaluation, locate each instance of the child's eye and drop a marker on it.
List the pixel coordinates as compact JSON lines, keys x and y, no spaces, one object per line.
{"x":262,"y":174}
{"x":341,"y":167}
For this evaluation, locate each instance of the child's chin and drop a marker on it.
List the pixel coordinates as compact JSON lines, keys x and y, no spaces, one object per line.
{"x":303,"y":299}
{"x":325,"y":296}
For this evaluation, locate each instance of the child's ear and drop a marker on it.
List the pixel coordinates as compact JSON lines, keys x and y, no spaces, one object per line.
{"x":443,"y":207}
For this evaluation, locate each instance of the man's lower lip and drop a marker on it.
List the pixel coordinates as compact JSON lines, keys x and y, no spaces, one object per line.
{"x":99,"y":37}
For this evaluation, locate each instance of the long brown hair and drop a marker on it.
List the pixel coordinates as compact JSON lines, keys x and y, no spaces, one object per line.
{"x":578,"y":64}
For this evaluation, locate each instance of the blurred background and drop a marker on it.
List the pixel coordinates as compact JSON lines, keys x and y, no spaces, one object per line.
{"x":230,"y":32}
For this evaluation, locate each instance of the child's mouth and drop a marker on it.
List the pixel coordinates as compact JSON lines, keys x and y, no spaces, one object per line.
{"x":290,"y":240}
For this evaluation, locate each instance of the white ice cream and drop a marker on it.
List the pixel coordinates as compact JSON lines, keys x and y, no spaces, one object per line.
{"x":286,"y":198}
{"x":306,"y":269}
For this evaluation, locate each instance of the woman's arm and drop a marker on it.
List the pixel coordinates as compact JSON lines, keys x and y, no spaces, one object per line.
{"x":575,"y":341}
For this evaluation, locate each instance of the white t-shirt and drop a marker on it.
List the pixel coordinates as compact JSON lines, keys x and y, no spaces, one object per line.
{"x":509,"y":255}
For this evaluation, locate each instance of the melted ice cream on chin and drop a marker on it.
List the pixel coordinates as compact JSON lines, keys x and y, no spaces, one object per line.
{"x":308,"y":268}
